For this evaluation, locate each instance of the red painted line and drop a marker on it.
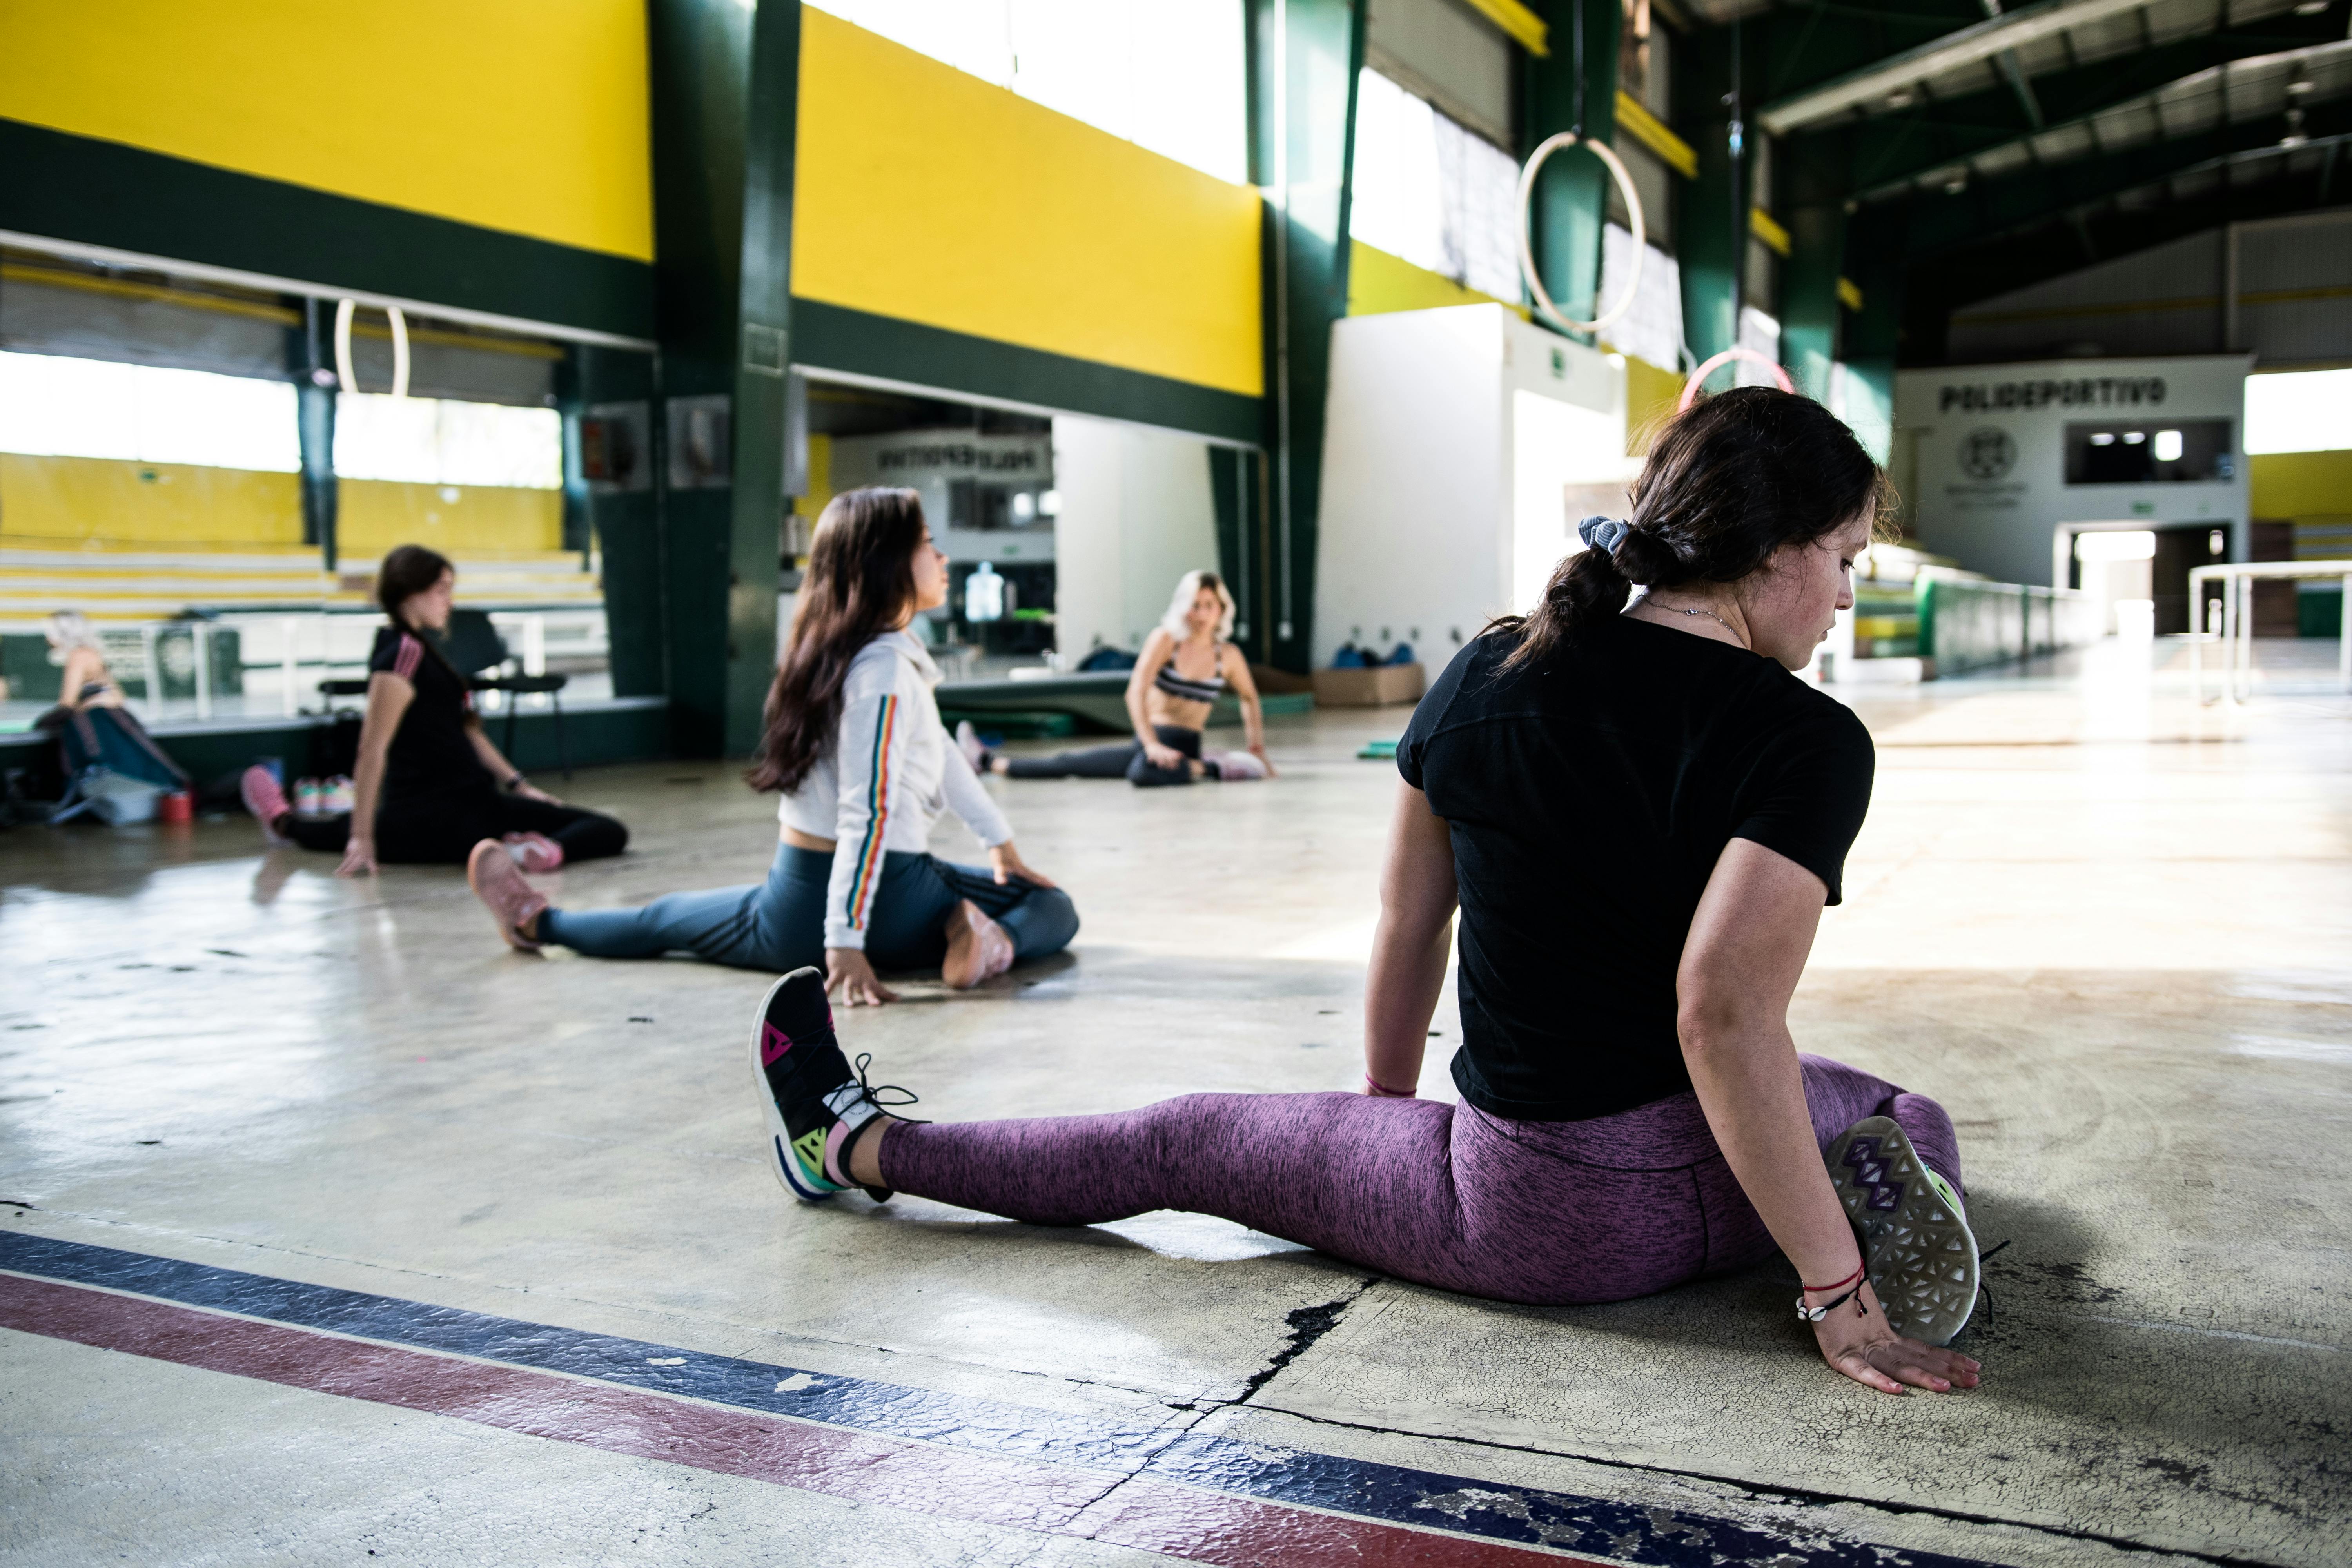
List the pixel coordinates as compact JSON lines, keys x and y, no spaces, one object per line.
{"x":1176,"y":1521}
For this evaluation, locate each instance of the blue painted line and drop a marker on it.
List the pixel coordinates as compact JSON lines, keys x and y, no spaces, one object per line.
{"x":1652,"y":1537}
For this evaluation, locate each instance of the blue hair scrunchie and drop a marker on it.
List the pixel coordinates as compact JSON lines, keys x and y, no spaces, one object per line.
{"x":1603,"y":532}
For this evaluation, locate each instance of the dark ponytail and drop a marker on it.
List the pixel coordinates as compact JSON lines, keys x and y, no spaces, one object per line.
{"x":1728,"y":481}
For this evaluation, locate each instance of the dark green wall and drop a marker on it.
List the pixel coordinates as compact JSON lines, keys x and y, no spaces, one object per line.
{"x":1302,"y":144}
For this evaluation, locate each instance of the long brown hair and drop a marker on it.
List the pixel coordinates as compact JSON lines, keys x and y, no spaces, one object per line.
{"x":860,"y":583}
{"x":407,"y":570}
{"x":1728,"y":481}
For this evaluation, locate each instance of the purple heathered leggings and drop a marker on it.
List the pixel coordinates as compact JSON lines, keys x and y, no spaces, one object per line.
{"x":1543,"y":1211}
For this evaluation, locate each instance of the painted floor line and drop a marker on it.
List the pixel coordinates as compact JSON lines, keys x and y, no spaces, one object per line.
{"x":1182,"y":1488}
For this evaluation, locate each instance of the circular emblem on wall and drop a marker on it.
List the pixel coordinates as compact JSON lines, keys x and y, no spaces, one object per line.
{"x":1987,"y":453}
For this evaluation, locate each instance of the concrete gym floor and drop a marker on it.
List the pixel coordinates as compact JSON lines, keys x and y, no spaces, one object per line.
{"x":2112,"y":931}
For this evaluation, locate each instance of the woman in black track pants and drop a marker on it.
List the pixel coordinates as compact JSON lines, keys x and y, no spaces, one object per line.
{"x":430,"y":784}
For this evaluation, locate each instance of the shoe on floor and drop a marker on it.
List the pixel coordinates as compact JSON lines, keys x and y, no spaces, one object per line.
{"x":1915,"y":1239}
{"x":497,"y":881}
{"x":534,"y":852}
{"x":967,"y":739}
{"x":265,"y":798}
{"x":984,"y":951}
{"x":1238,"y":767}
{"x":811,"y":1099}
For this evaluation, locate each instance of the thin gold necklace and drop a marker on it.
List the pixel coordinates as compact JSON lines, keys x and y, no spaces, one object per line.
{"x":1710,"y":615}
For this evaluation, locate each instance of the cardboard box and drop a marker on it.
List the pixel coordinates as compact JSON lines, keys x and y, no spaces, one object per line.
{"x":1379,"y":687}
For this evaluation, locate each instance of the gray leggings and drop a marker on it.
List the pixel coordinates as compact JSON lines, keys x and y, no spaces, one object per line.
{"x":778,"y":925}
{"x":1123,"y":759}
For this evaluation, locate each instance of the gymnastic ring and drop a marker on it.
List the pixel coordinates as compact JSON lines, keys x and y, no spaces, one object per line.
{"x":1690,"y":387}
{"x":1633,"y":210}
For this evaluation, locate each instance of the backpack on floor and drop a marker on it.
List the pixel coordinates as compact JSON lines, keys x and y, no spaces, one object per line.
{"x":114,"y":739}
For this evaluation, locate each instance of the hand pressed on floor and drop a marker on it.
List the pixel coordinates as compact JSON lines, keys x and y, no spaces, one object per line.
{"x":1865,"y":1348}
{"x":1006,"y":861}
{"x":850,"y":977}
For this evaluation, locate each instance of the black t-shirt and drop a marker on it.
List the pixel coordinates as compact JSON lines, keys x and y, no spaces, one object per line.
{"x":1588,"y":800}
{"x":430,"y":753}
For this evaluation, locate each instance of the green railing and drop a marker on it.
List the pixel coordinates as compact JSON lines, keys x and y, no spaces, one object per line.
{"x":1967,"y":623}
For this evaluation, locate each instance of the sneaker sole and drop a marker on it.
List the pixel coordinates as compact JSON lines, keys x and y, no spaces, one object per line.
{"x":513,"y":938}
{"x":781,"y":1162}
{"x":1921,"y":1254}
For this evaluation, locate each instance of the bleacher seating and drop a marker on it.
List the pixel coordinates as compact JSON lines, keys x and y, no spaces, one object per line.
{"x":143,"y":583}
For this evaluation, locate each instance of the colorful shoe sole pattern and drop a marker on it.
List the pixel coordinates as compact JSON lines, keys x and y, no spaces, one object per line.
{"x":1921,"y":1254}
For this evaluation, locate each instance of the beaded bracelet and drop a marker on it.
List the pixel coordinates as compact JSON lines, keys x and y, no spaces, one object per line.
{"x":1815,"y":1314}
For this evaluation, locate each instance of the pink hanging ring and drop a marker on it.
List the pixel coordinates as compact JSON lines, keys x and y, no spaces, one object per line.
{"x":1690,"y":387}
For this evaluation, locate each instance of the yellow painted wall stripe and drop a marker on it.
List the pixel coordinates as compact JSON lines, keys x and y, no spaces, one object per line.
{"x":1651,"y":131}
{"x":125,"y":504}
{"x":1379,"y":283}
{"x":527,"y":116}
{"x":2300,"y":484}
{"x":1523,"y":25}
{"x":927,"y":194}
{"x":1761,"y":225}
{"x":161,"y":503}
{"x":377,"y":514}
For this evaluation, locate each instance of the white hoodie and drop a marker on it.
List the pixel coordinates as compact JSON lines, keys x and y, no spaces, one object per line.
{"x":892,"y":769}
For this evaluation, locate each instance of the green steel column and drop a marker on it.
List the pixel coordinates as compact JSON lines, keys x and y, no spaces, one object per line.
{"x":1711,"y":223}
{"x":1574,"y":88}
{"x":1874,"y":250}
{"x":626,"y":522}
{"x":725,"y":98}
{"x":314,"y":417}
{"x":1237,"y":487}
{"x":1304,"y":55}
{"x":1813,"y":183}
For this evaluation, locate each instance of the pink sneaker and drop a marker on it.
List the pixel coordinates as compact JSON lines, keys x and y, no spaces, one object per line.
{"x":265,"y":798}
{"x":535,"y":852}
{"x":977,"y":948}
{"x":497,"y":881}
{"x":1238,"y":767}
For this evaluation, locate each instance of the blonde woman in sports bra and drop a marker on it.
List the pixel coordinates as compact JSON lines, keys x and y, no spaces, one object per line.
{"x":1186,"y":665}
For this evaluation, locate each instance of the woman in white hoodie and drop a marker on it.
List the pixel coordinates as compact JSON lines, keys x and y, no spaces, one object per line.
{"x":855,"y":744}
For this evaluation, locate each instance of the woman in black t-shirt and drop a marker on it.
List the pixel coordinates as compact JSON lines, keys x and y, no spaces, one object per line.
{"x":430,"y":784}
{"x":1640,"y":813}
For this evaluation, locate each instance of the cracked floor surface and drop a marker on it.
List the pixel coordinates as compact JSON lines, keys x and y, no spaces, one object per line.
{"x":2113,"y":932}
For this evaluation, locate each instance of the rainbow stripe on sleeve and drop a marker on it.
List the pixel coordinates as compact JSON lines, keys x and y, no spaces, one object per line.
{"x":877,"y":819}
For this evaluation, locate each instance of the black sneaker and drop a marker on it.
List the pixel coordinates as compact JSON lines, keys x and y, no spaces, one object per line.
{"x":807,"y":1086}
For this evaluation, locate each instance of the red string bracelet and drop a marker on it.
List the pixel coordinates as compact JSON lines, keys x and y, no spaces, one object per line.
{"x":1854,"y":1278}
{"x":1380,"y":1090}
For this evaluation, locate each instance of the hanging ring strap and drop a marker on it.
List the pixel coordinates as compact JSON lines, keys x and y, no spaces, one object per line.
{"x":1632,"y":211}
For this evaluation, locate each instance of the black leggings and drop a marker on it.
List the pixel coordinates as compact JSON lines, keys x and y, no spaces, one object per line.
{"x":442,"y":830}
{"x":1125,"y":760}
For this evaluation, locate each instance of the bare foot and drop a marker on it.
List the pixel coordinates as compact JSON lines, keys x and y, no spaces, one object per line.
{"x":977,"y":948}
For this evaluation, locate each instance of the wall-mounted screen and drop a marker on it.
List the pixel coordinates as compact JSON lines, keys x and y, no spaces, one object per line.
{"x":2150,"y":451}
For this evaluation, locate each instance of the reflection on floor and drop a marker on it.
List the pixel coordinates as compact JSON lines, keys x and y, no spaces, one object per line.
{"x":333,"y":1228}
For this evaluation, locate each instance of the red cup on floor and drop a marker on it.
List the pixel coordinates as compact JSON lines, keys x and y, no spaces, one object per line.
{"x":177,"y":806}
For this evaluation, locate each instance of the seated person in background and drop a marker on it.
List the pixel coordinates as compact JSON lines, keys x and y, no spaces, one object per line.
{"x":430,"y":786}
{"x":1186,"y":665}
{"x":855,"y":745}
{"x":87,"y":682}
